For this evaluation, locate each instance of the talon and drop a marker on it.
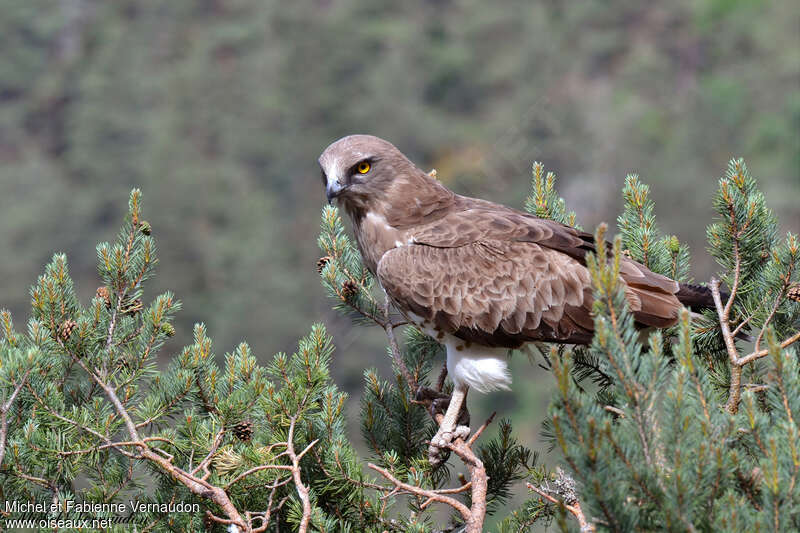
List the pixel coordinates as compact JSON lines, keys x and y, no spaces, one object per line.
{"x":439,"y":406}
{"x":427,"y":394}
{"x":439,"y":450}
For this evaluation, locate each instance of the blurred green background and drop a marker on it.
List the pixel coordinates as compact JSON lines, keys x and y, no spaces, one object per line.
{"x":218,"y":110}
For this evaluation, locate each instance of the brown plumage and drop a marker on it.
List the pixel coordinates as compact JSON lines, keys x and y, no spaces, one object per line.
{"x":475,"y":274}
{"x":481,"y":271}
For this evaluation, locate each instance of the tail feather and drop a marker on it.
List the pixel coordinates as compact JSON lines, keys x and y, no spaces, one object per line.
{"x":697,"y":296}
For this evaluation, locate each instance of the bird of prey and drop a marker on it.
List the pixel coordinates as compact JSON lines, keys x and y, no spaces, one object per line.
{"x":479,"y":277}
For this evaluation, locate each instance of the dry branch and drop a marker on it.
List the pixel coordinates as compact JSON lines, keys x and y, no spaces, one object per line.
{"x":4,"y":409}
{"x":431,"y":495}
{"x":574,"y":508}
{"x":738,"y":362}
{"x":302,"y":490}
{"x":190,"y":479}
{"x":478,"y":484}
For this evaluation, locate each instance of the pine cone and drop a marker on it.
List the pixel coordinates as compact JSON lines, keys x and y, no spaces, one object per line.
{"x":794,"y":292}
{"x":349,"y":289}
{"x":145,"y":227}
{"x":243,"y":430}
{"x":103,"y":294}
{"x":65,"y":329}
{"x":323,"y":261}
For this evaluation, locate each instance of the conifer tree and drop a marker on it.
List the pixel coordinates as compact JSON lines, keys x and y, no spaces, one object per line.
{"x":87,"y":416}
{"x":689,"y":429}
{"x":693,"y":434}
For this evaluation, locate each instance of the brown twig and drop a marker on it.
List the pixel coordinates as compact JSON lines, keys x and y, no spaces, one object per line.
{"x":761,"y":353}
{"x":425,"y":493}
{"x":302,"y":490}
{"x":772,"y":312}
{"x":465,"y":487}
{"x":396,"y":355}
{"x":737,"y":362}
{"x":479,"y":480}
{"x":611,"y":409}
{"x":574,"y":508}
{"x":195,"y":484}
{"x":205,"y":462}
{"x":734,"y":390}
{"x":4,"y":409}
{"x":480,"y":430}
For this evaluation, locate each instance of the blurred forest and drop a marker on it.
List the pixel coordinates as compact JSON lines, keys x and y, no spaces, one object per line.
{"x":218,"y":110}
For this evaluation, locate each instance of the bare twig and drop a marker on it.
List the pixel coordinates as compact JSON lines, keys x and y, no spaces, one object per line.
{"x":478,"y":478}
{"x":761,"y":353}
{"x":480,"y":430}
{"x":205,"y":462}
{"x":4,"y":409}
{"x":574,"y":508}
{"x":734,"y":390}
{"x":474,"y":515}
{"x":465,"y":487}
{"x":396,"y":355}
{"x":195,"y":484}
{"x":611,"y":409}
{"x":769,"y":319}
{"x":425,"y":493}
{"x":737,"y":362}
{"x":302,"y":490}
{"x":255,"y":469}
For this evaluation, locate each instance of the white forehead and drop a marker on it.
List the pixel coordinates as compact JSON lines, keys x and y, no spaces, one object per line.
{"x":341,"y":155}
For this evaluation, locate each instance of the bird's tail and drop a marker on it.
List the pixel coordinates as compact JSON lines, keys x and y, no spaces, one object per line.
{"x":697,"y":296}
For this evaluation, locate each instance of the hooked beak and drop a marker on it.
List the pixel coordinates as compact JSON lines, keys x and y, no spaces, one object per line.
{"x":332,"y":190}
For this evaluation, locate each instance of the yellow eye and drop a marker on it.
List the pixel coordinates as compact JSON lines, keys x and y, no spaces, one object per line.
{"x":363,"y":167}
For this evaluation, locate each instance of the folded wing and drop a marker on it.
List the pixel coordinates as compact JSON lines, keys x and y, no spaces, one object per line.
{"x":489,"y":274}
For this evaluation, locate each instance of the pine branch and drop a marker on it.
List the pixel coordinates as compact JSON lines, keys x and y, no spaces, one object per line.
{"x":429,"y":495}
{"x":388,"y":328}
{"x":565,"y":487}
{"x":5,"y":408}
{"x":738,"y":362}
{"x":544,"y":201}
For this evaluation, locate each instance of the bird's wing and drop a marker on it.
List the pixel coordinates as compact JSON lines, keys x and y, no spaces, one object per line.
{"x":495,"y":274}
{"x":477,"y":220}
{"x":495,"y":293}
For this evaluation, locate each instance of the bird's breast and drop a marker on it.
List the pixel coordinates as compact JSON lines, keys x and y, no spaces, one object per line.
{"x":375,"y":236}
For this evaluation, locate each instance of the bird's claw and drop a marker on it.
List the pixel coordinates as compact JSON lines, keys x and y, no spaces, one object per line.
{"x":437,"y":403}
{"x":427,"y":396}
{"x":439,"y":448}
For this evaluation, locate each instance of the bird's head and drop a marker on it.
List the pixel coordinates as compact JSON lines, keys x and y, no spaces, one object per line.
{"x":360,"y":169}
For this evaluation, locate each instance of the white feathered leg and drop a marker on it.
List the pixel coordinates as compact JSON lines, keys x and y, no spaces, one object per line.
{"x":469,"y":366}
